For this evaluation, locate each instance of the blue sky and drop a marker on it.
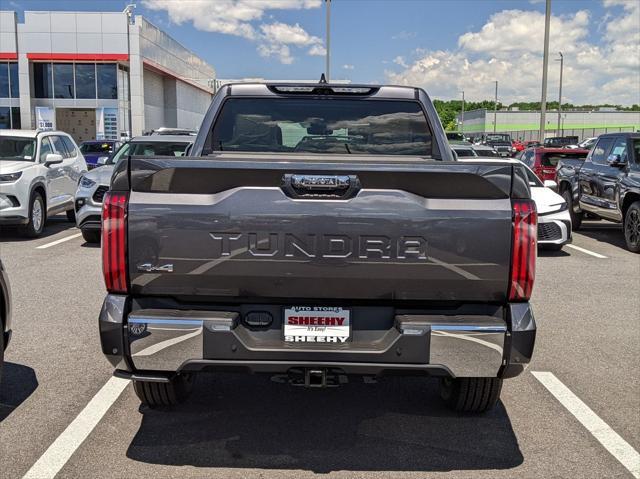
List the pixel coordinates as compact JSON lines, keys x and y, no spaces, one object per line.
{"x":406,"y":41}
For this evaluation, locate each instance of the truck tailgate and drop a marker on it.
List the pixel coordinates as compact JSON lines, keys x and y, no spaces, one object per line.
{"x":229,"y":228}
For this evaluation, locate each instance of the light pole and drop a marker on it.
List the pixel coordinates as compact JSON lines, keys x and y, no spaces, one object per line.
{"x":545,"y":67}
{"x":495,"y":109}
{"x":561,"y":60}
{"x":328,"y":41}
{"x":462,"y":116}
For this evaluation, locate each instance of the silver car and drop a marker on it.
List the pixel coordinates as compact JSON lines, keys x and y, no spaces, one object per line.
{"x":95,"y":183}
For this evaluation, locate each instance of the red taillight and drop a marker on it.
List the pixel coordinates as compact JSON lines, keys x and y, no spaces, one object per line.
{"x":524,"y":249}
{"x":114,"y":241}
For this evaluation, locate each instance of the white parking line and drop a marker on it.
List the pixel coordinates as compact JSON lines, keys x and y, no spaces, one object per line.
{"x":61,"y":450}
{"x":74,"y":435}
{"x":611,"y":440}
{"x":578,"y":248}
{"x":62,"y":240}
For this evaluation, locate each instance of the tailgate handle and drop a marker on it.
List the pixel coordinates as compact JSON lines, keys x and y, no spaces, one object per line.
{"x":314,"y":186}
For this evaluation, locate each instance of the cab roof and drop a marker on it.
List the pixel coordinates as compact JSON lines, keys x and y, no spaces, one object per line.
{"x":30,"y":133}
{"x":163,"y":139}
{"x":626,"y":134}
{"x":337,"y":89}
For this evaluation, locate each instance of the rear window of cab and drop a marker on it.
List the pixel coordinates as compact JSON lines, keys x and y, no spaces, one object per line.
{"x":312,"y":125}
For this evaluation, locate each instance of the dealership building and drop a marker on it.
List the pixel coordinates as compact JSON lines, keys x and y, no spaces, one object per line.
{"x":103,"y":75}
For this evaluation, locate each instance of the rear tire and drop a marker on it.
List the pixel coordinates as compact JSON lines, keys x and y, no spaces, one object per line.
{"x":155,"y":395}
{"x":632,"y":227}
{"x":71,"y":215}
{"x":91,"y":236}
{"x":576,"y":218}
{"x":470,"y":395}
{"x":37,"y":216}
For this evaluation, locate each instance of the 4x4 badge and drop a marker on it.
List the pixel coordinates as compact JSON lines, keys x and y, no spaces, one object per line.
{"x":150,"y":268}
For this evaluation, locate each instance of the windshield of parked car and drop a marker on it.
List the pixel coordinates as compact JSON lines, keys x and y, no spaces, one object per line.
{"x":18,"y":148}
{"x":588,"y":143}
{"x":149,"y":148}
{"x":96,"y":148}
{"x":311,"y":125}
{"x":552,"y":159}
{"x":498,"y":138}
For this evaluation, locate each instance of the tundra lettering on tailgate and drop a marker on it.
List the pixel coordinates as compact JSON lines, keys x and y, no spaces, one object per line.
{"x":288,"y":245}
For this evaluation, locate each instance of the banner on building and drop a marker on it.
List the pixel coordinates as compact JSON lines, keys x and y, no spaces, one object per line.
{"x":106,"y":123}
{"x":45,"y":118}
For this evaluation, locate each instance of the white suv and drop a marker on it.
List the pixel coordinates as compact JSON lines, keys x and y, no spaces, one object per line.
{"x":39,"y":174}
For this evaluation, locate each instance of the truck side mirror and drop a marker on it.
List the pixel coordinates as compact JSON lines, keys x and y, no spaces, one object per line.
{"x":551,"y":184}
{"x":102,"y":160}
{"x":616,"y":160}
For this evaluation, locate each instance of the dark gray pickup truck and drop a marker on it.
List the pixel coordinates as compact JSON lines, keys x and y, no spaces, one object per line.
{"x":319,"y":231}
{"x":606,"y":184}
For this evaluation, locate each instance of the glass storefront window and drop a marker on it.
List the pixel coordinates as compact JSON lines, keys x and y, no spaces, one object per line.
{"x":107,"y":81}
{"x":9,"y":118}
{"x":16,"y":123}
{"x":69,"y":80}
{"x":42,"y":80}
{"x":4,"y":80}
{"x":63,"y":80}
{"x":85,"y":80}
{"x":13,"y":76}
{"x":5,"y":119}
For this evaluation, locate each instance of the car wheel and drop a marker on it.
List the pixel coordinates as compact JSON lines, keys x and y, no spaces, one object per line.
{"x":172,"y":393}
{"x":632,"y":227}
{"x":470,"y":395}
{"x":91,"y":236}
{"x":37,"y":216}
{"x":71,"y":215}
{"x":576,"y":218}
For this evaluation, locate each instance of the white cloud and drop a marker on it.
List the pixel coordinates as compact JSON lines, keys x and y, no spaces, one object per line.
{"x":347,"y":66}
{"x":508,"y":48}
{"x":288,"y":34}
{"x":519,"y":30}
{"x":317,"y":50}
{"x":277,"y":38}
{"x":625,"y":28}
{"x":238,"y":17}
{"x":399,"y":60}
{"x":281,"y":52}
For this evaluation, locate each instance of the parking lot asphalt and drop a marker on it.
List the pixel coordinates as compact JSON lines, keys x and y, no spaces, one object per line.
{"x":586,"y":300}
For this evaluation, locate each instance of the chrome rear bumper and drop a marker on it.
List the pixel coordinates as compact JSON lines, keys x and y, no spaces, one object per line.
{"x":171,"y":341}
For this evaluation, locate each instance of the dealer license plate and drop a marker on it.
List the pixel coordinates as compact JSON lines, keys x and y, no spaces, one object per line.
{"x":308,"y":324}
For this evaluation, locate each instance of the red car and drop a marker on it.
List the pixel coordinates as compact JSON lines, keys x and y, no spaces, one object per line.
{"x":518,"y":145}
{"x":543,"y":161}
